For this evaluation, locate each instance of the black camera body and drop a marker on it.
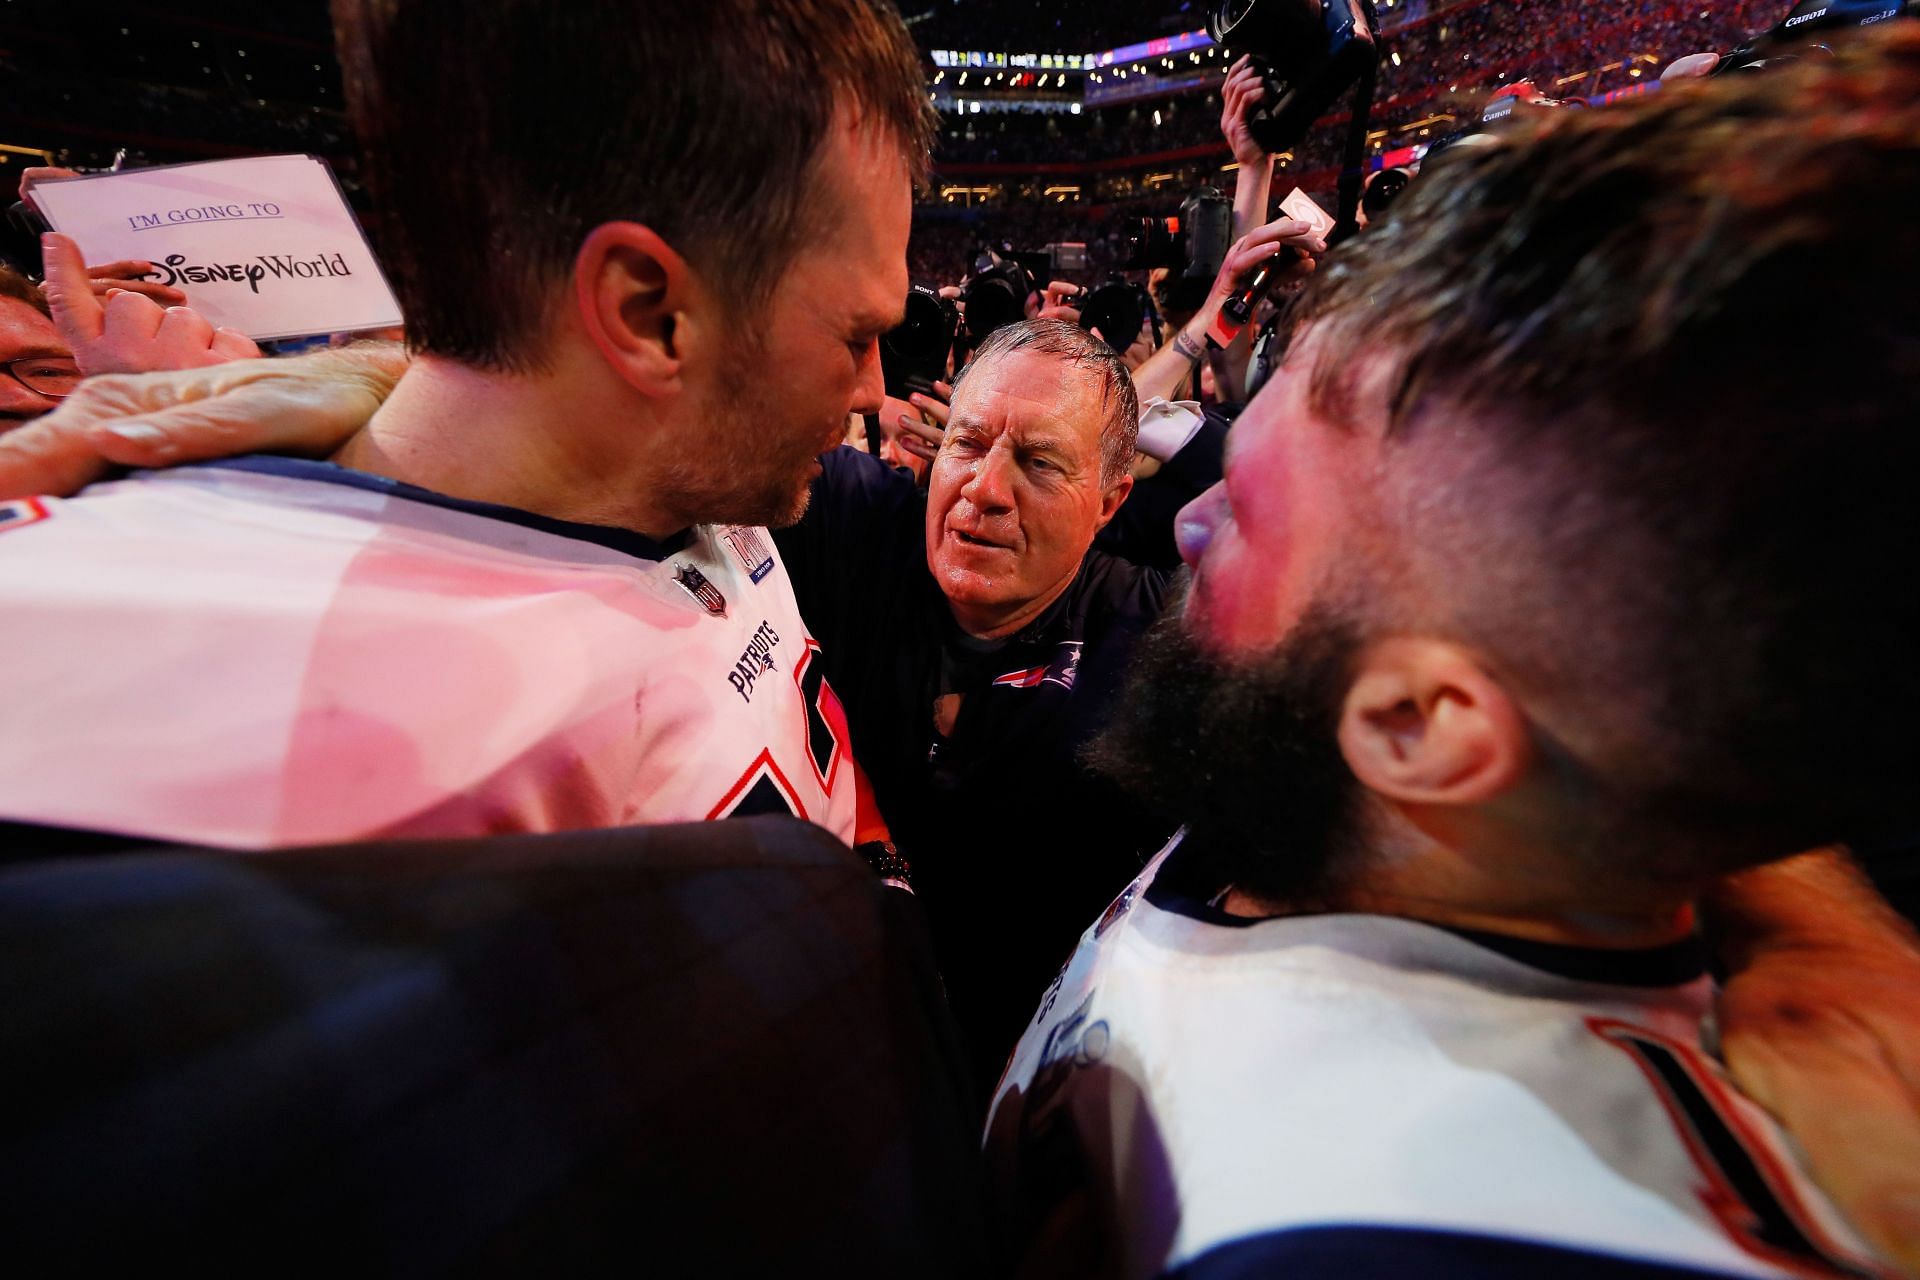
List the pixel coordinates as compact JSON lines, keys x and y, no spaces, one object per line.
{"x":1195,"y":243}
{"x":1309,"y":51}
{"x":913,"y":354}
{"x":994,"y":296}
{"x":1807,"y":21}
{"x":1118,"y":308}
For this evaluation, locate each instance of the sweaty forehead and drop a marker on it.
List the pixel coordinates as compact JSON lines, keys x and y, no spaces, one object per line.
{"x":1028,"y":392}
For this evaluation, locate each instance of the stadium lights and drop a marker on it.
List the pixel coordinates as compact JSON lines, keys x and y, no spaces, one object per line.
{"x":1396,"y":57}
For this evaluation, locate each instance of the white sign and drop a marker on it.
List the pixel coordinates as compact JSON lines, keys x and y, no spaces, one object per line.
{"x":266,"y":245}
{"x":1302,"y":207}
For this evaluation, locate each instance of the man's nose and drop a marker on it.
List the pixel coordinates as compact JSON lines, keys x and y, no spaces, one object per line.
{"x":990,"y":487}
{"x":871,"y":387}
{"x":18,"y":402}
{"x":1198,"y":521}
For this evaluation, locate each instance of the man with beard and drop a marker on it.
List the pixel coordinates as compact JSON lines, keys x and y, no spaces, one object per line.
{"x":530,"y":594}
{"x":1554,"y":579}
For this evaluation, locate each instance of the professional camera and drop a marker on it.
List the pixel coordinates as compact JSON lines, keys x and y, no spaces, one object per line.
{"x":1117,"y":308}
{"x":1386,"y":186}
{"x":1805,"y":21}
{"x":1310,"y":51}
{"x":995,"y":295}
{"x":1195,"y":242}
{"x":913,"y":354}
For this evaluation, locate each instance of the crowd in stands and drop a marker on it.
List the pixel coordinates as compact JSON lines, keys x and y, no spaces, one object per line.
{"x":1454,"y":56}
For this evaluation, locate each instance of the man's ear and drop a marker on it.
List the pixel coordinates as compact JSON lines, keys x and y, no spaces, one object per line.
{"x":1110,"y":500}
{"x":1424,"y":724}
{"x":633,"y":290}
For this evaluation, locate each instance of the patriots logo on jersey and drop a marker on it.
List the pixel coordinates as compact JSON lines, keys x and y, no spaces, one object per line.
{"x":750,"y":548}
{"x":1065,"y":667}
{"x":696,"y":585}
{"x":1061,"y":671}
{"x":18,"y":515}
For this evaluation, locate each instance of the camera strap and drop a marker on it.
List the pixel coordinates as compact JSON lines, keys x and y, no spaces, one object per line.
{"x":1353,"y":167}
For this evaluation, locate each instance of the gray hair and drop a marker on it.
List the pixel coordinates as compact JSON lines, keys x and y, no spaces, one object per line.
{"x":1119,"y":403}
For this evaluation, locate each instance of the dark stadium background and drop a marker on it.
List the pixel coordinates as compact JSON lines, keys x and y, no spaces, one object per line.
{"x":190,"y":79}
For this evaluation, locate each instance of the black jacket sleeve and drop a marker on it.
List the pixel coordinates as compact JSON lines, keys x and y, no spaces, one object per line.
{"x":1143,"y":530}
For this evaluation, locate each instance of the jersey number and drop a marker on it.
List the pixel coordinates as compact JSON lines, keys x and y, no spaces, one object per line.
{"x":764,"y":788}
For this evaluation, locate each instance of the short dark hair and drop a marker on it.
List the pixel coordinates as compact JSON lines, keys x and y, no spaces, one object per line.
{"x":1119,"y":402}
{"x":20,"y":289}
{"x":1678,"y":343}
{"x":498,"y":133}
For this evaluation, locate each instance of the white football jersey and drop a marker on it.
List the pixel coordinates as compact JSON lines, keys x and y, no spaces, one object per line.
{"x":266,"y":652}
{"x":1353,"y":1095}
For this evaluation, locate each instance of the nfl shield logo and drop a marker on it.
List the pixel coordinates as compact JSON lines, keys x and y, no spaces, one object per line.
{"x":700,"y":589}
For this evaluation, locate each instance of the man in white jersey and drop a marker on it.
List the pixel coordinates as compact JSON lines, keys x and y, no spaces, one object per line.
{"x":1555,"y":576}
{"x":644,"y":281}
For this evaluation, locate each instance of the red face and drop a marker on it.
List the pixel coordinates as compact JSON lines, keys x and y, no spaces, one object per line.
{"x":813,"y":355}
{"x":25,"y":333}
{"x":1263,"y":541}
{"x":1015,"y":495}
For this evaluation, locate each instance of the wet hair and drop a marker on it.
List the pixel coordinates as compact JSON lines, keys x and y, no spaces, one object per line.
{"x":1119,"y":402}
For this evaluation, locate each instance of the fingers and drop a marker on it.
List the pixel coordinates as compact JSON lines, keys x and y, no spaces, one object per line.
{"x":1263,"y":244}
{"x":41,"y":173}
{"x":129,"y":274}
{"x":131,"y":323}
{"x":917,"y":438}
{"x":1691,"y":67}
{"x":933,"y":408}
{"x":164,"y":294}
{"x":1286,"y":231}
{"x":1853,"y":1117}
{"x":231,"y":344}
{"x":194,"y":432}
{"x":184,"y":329}
{"x":49,"y":455}
{"x":77,"y":313}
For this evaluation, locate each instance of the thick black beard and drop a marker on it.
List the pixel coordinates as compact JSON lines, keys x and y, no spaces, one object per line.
{"x":1247,"y":757}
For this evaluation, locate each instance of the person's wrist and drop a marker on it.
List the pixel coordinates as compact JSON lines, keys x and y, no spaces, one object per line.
{"x":1194,"y":349}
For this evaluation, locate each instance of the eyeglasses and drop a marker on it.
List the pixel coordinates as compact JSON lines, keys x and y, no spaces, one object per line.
{"x":54,"y":377}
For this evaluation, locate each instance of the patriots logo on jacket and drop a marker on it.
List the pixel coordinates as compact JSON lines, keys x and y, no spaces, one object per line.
{"x":1061,"y":671}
